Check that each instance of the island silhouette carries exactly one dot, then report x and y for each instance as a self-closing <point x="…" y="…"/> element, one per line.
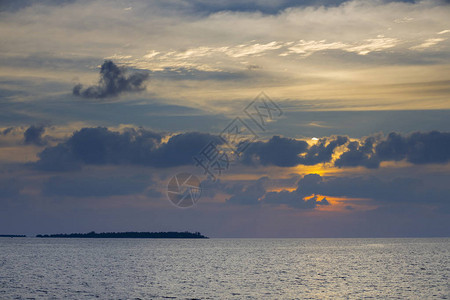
<point x="128" y="235"/>
<point x="12" y="235"/>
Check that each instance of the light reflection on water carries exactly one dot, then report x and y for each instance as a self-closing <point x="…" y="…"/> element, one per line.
<point x="224" y="268"/>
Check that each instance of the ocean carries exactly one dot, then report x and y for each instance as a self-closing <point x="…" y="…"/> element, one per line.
<point x="404" y="268"/>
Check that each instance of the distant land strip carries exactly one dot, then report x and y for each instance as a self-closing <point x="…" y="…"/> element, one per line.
<point x="12" y="235"/>
<point x="128" y="235"/>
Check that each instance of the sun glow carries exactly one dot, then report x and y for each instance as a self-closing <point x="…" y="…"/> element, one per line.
<point x="343" y="204"/>
<point x="321" y="169"/>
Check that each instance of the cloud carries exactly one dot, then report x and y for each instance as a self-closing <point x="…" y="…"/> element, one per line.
<point x="33" y="135"/>
<point x="294" y="199"/>
<point x="306" y="48"/>
<point x="6" y="131"/>
<point x="248" y="194"/>
<point x="373" y="45"/>
<point x="204" y="58"/>
<point x="288" y="152"/>
<point x="322" y="151"/>
<point x="255" y="193"/>
<point x="428" y="43"/>
<point x="253" y="49"/>
<point x="101" y="146"/>
<point x="278" y="151"/>
<point x="113" y="82"/>
<point x="395" y="190"/>
<point x="181" y="148"/>
<point x="417" y="148"/>
<point x="203" y="7"/>
<point x="94" y="186"/>
<point x="197" y="36"/>
<point x="359" y="154"/>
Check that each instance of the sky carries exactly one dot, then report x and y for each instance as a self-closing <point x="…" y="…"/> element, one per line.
<point x="326" y="118"/>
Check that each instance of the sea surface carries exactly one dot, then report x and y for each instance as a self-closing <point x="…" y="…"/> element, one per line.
<point x="224" y="268"/>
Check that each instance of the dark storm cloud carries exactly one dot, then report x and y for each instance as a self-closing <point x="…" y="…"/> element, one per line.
<point x="278" y="151"/>
<point x="212" y="188"/>
<point x="359" y="155"/>
<point x="90" y="186"/>
<point x="342" y="186"/>
<point x="287" y="152"/>
<point x="58" y="158"/>
<point x="322" y="151"/>
<point x="312" y="191"/>
<point x="255" y="193"/>
<point x="6" y="131"/>
<point x="33" y="135"/>
<point x="294" y="199"/>
<point x="248" y="194"/>
<point x="416" y="148"/>
<point x="181" y="148"/>
<point x="101" y="146"/>
<point x="113" y="81"/>
<point x="396" y="190"/>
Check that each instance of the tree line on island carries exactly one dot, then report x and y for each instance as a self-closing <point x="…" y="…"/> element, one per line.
<point x="129" y="235"/>
<point x="12" y="235"/>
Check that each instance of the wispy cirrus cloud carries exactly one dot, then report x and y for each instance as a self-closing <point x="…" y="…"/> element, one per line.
<point x="306" y="48"/>
<point x="428" y="43"/>
<point x="197" y="57"/>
